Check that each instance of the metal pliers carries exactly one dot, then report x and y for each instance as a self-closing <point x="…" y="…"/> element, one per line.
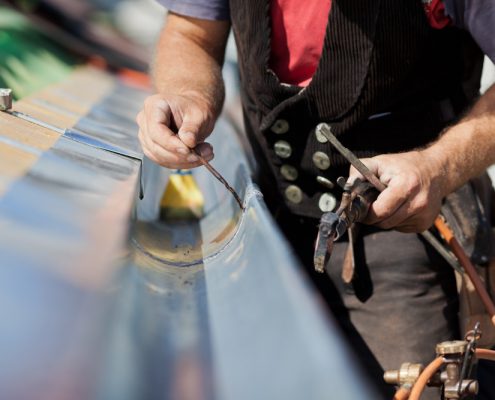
<point x="354" y="206"/>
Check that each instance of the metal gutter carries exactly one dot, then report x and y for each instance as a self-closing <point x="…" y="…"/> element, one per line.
<point x="100" y="300"/>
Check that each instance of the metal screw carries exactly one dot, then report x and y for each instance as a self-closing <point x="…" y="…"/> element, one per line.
<point x="5" y="99"/>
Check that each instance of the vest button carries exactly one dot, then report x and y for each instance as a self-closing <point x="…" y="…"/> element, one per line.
<point x="325" y="182"/>
<point x="327" y="202"/>
<point x="321" y="160"/>
<point x="280" y="126"/>
<point x="282" y="149"/>
<point x="319" y="135"/>
<point x="289" y="172"/>
<point x="294" y="194"/>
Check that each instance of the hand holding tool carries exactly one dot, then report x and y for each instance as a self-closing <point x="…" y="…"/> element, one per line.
<point x="331" y="232"/>
<point x="354" y="206"/>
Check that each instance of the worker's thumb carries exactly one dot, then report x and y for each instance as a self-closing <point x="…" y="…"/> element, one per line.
<point x="191" y="132"/>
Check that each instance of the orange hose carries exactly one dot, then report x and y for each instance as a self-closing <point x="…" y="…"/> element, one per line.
<point x="485" y="354"/>
<point x="402" y="394"/>
<point x="425" y="376"/>
<point x="429" y="371"/>
<point x="468" y="266"/>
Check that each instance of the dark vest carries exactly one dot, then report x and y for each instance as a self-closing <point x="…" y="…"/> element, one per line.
<point x="386" y="82"/>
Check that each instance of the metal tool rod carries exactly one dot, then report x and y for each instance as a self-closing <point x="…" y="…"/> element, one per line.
<point x="325" y="130"/>
<point x="220" y="178"/>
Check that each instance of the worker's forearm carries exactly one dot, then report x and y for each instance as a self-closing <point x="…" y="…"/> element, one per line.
<point x="417" y="181"/>
<point x="190" y="92"/>
<point x="466" y="149"/>
<point x="189" y="60"/>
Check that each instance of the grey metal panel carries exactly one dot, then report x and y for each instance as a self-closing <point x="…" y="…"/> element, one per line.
<point x="99" y="303"/>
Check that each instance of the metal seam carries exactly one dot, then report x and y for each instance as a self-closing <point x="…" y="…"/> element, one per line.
<point x="78" y="137"/>
<point x="251" y="192"/>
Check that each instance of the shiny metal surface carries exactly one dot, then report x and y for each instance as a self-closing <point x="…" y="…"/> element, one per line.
<point x="289" y="172"/>
<point x="101" y="300"/>
<point x="321" y="160"/>
<point x="327" y="202"/>
<point x="320" y="137"/>
<point x="294" y="194"/>
<point x="5" y="99"/>
<point x="282" y="149"/>
<point x="325" y="182"/>
<point x="280" y="126"/>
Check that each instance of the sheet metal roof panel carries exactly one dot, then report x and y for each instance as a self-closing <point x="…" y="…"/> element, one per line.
<point x="237" y="320"/>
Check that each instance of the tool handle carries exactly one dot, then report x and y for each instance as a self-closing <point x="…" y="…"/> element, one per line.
<point x="468" y="266"/>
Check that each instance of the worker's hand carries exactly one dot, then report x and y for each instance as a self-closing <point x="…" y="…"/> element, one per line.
<point x="415" y="189"/>
<point x="170" y="126"/>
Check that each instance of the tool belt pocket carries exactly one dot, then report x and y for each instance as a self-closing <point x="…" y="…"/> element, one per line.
<point x="470" y="212"/>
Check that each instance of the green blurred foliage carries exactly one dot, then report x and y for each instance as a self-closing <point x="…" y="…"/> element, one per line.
<point x="28" y="59"/>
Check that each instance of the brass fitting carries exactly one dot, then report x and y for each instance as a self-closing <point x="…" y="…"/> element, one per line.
<point x="451" y="348"/>
<point x="405" y="376"/>
<point x="453" y="387"/>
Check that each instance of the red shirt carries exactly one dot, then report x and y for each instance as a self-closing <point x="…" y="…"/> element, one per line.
<point x="298" y="32"/>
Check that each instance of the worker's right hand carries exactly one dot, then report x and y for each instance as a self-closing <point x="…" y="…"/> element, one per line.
<point x="170" y="126"/>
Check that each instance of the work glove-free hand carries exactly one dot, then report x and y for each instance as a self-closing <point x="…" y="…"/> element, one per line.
<point x="171" y="125"/>
<point x="414" y="193"/>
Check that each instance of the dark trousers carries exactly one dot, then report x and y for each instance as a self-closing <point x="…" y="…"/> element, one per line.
<point x="401" y="304"/>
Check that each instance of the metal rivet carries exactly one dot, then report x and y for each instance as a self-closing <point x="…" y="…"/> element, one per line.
<point x="321" y="160"/>
<point x="327" y="202"/>
<point x="283" y="149"/>
<point x="325" y="182"/>
<point x="5" y="99"/>
<point x="319" y="134"/>
<point x="289" y="172"/>
<point x="294" y="194"/>
<point x="280" y="126"/>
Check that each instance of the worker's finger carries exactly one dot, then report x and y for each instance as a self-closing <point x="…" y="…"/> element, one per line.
<point x="165" y="138"/>
<point x="195" y="127"/>
<point x="157" y="109"/>
<point x="172" y="160"/>
<point x="157" y="125"/>
<point x="387" y="203"/>
<point x="206" y="150"/>
<point x="396" y="218"/>
<point x="410" y="218"/>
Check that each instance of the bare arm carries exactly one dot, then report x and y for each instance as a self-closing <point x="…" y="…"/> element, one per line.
<point x="190" y="91"/>
<point x="418" y="180"/>
<point x="468" y="148"/>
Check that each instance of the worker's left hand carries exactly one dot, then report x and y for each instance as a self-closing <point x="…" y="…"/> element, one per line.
<point x="415" y="189"/>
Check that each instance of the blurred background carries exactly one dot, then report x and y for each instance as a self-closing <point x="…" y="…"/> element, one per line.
<point x="41" y="41"/>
